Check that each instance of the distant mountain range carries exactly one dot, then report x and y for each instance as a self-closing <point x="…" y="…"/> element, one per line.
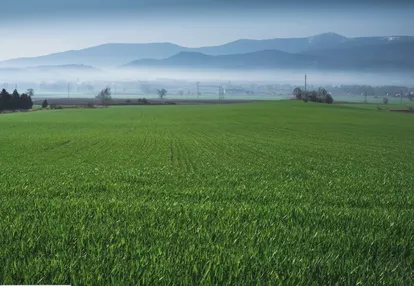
<point x="391" y="57"/>
<point x="324" y="51"/>
<point x="108" y="55"/>
<point x="264" y="59"/>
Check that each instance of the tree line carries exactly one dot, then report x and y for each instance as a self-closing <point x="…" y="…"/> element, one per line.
<point x="321" y="95"/>
<point x="15" y="101"/>
<point x="387" y="90"/>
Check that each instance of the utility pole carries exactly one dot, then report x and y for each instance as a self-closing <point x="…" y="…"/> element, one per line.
<point x="401" y="95"/>
<point x="306" y="81"/>
<point x="68" y="89"/>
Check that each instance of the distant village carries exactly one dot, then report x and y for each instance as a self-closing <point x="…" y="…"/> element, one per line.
<point x="189" y="88"/>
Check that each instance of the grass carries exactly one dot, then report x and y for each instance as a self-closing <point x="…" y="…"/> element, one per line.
<point x="266" y="193"/>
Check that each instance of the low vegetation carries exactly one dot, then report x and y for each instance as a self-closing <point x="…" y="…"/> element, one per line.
<point x="265" y="193"/>
<point x="143" y="101"/>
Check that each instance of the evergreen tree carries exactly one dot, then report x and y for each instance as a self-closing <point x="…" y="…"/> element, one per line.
<point x="15" y="100"/>
<point x="24" y="101"/>
<point x="5" y="99"/>
<point x="30" y="102"/>
<point x="45" y="104"/>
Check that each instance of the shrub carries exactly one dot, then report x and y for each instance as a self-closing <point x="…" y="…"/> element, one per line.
<point x="385" y="100"/>
<point x="329" y="99"/>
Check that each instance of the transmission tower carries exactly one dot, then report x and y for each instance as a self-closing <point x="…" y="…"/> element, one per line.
<point x="221" y="92"/>
<point x="198" y="88"/>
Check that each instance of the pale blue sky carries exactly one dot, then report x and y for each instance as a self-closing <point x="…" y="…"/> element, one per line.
<point x="31" y="28"/>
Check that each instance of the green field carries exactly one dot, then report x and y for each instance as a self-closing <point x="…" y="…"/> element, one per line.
<point x="266" y="193"/>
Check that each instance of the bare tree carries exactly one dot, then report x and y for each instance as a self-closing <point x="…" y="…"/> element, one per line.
<point x="104" y="95"/>
<point x="30" y="92"/>
<point x="162" y="93"/>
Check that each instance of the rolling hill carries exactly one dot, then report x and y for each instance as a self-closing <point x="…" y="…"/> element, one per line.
<point x="107" y="55"/>
<point x="396" y="56"/>
<point x="111" y="55"/>
<point x="263" y="59"/>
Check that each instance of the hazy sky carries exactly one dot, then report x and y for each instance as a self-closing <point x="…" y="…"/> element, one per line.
<point x="38" y="27"/>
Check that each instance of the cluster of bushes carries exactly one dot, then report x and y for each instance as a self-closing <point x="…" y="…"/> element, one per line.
<point x="15" y="101"/>
<point x="55" y="106"/>
<point x="142" y="101"/>
<point x="139" y="101"/>
<point x="321" y="95"/>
